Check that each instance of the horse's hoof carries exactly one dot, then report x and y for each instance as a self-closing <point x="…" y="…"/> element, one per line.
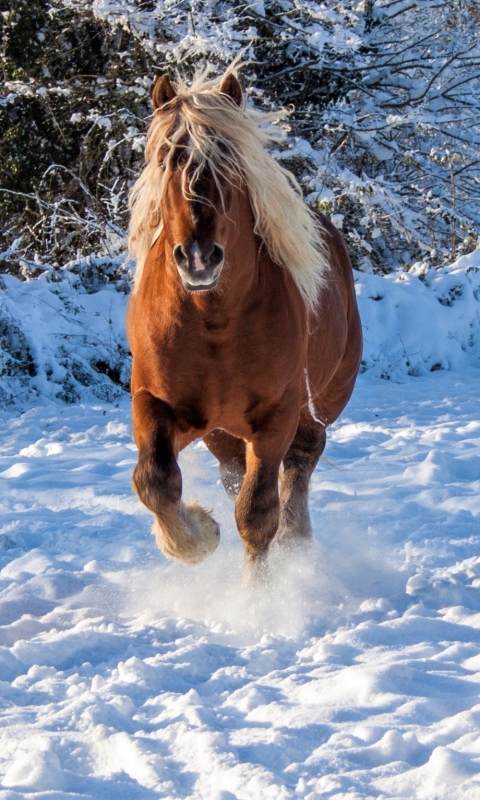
<point x="204" y="530"/>
<point x="186" y="533"/>
<point x="294" y="541"/>
<point x="256" y="573"/>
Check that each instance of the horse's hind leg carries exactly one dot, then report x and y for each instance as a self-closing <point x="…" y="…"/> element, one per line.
<point x="185" y="533"/>
<point x="300" y="461"/>
<point x="230" y="453"/>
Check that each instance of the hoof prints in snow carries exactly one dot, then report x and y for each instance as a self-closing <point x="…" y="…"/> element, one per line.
<point x="353" y="677"/>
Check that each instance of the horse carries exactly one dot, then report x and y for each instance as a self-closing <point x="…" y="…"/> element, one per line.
<point x="243" y="323"/>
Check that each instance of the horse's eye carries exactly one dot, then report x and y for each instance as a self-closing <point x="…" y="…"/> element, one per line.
<point x="162" y="166"/>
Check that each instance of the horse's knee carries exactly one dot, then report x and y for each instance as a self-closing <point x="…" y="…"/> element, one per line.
<point x="157" y="480"/>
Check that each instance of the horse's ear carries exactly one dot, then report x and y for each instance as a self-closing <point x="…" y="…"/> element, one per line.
<point x="231" y="87"/>
<point x="163" y="92"/>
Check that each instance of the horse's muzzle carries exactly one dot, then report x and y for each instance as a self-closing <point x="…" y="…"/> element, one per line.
<point x="199" y="268"/>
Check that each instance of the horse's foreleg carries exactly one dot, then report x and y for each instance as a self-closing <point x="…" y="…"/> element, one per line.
<point x="257" y="511"/>
<point x="298" y="465"/>
<point x="230" y="453"/>
<point x="183" y="532"/>
<point x="257" y="508"/>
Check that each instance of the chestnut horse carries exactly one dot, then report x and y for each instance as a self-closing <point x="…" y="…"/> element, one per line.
<point x="243" y="322"/>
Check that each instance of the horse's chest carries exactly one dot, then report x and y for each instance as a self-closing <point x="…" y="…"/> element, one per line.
<point x="211" y="372"/>
<point x="219" y="375"/>
<point x="213" y="383"/>
<point x="227" y="363"/>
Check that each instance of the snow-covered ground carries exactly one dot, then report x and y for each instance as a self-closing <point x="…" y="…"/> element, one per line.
<point x="356" y="675"/>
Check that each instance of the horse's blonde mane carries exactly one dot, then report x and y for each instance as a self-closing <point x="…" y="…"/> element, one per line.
<point x="233" y="142"/>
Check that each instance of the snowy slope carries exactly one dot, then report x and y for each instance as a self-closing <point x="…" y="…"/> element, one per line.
<point x="356" y="677"/>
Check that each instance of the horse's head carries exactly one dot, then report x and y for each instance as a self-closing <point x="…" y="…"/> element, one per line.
<point x="210" y="183"/>
<point x="197" y="201"/>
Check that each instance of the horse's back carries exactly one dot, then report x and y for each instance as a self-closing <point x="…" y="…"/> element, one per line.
<point x="335" y="341"/>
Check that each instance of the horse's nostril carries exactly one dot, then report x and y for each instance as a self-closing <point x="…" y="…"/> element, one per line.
<point x="216" y="256"/>
<point x="179" y="255"/>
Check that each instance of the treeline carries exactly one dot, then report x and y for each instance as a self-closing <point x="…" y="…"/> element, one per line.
<point x="384" y="136"/>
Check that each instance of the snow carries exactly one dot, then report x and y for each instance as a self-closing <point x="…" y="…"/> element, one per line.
<point x="63" y="334"/>
<point x="421" y="320"/>
<point x="354" y="675"/>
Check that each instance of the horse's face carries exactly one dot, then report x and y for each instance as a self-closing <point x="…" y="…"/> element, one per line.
<point x="195" y="229"/>
<point x="196" y="222"/>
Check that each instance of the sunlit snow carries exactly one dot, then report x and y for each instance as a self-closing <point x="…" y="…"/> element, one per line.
<point x="355" y="675"/>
